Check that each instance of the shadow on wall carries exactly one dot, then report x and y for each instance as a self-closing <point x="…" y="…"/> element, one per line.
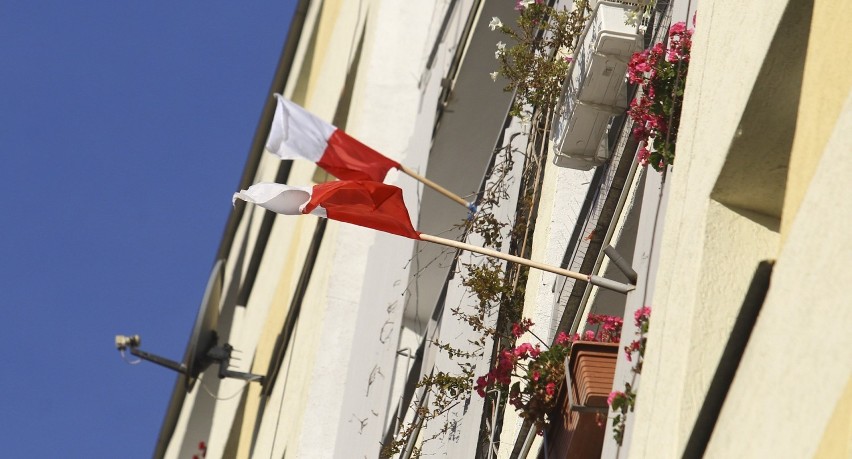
<point x="744" y="217"/>
<point x="754" y="176"/>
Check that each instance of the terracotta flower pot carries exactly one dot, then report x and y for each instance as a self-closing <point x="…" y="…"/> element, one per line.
<point x="579" y="425"/>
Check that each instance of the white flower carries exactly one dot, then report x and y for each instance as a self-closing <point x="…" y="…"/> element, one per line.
<point x="494" y="75"/>
<point x="501" y="48"/>
<point x="495" y="23"/>
<point x="527" y="3"/>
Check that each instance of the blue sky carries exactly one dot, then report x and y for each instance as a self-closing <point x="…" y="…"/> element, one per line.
<point x="124" y="128"/>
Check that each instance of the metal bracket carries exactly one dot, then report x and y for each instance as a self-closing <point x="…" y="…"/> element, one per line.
<point x="217" y="354"/>
<point x="610" y="284"/>
<point x="621" y="263"/>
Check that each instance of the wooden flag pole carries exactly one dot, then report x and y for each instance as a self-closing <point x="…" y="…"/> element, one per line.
<point x="435" y="186"/>
<point x="503" y="256"/>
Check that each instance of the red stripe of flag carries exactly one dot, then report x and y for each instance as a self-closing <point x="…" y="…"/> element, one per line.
<point x="348" y="159"/>
<point x="364" y="203"/>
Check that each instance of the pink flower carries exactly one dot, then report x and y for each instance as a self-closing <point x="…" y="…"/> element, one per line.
<point x="643" y="155"/>
<point x="550" y="388"/>
<point x="562" y="338"/>
<point x="656" y="51"/>
<point x="642" y="314"/>
<point x="481" y="384"/>
<point x="638" y="66"/>
<point x="536" y="375"/>
<point x="679" y="46"/>
<point x="522" y="350"/>
<point x="503" y="370"/>
<point x="610" y="328"/>
<point x="642" y="66"/>
<point x="534" y="352"/>
<point x="677" y="28"/>
<point x="613" y="395"/>
<point x="655" y="122"/>
<point x="630" y="349"/>
<point x="672" y="55"/>
<point x="521" y="327"/>
<point x="611" y="324"/>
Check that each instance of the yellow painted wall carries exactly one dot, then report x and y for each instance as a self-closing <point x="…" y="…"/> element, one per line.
<point x="793" y="379"/>
<point x="827" y="79"/>
<point x="837" y="440"/>
<point x="319" y="72"/>
<point x="795" y="370"/>
<point x="693" y="305"/>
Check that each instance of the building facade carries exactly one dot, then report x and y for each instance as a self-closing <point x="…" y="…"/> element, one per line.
<point x="738" y="248"/>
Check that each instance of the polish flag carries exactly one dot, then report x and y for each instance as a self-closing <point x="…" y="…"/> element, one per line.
<point x="298" y="134"/>
<point x="363" y="203"/>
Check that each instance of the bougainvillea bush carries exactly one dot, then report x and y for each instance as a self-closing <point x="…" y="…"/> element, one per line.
<point x="532" y="376"/>
<point x="660" y="73"/>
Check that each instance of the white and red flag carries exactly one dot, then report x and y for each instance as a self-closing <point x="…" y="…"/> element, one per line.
<point x="364" y="203"/>
<point x="299" y="134"/>
<point x="381" y="207"/>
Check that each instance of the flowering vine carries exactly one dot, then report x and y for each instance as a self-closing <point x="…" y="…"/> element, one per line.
<point x="660" y="73"/>
<point x="539" y="374"/>
<point x="531" y="59"/>
<point x="531" y="65"/>
<point x="493" y="290"/>
<point x="641" y="319"/>
<point x="622" y="402"/>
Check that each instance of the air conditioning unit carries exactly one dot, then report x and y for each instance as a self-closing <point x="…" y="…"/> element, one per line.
<point x="595" y="89"/>
<point x="578" y="135"/>
<point x="584" y="162"/>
